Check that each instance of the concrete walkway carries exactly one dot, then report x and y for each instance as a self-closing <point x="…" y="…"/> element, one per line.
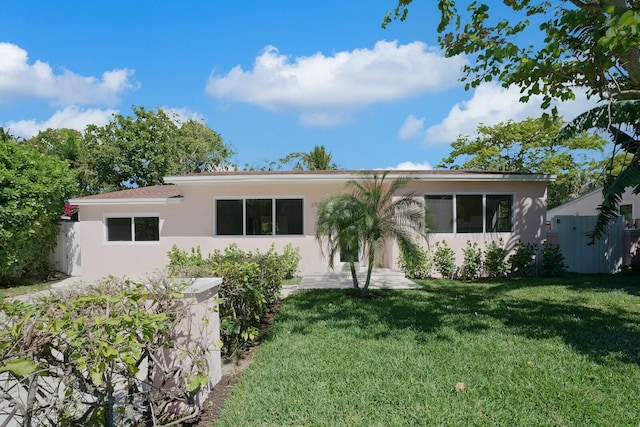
<point x="380" y="279"/>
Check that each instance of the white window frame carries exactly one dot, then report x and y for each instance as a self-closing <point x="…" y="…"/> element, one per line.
<point x="133" y="241"/>
<point x="484" y="209"/>
<point x="244" y="216"/>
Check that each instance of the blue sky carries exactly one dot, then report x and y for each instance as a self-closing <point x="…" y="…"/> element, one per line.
<point x="271" y="77"/>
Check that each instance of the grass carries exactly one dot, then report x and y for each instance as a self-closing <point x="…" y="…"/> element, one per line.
<point x="21" y="287"/>
<point x="543" y="352"/>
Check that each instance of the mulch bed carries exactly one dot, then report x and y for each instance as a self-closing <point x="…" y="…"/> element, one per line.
<point x="218" y="395"/>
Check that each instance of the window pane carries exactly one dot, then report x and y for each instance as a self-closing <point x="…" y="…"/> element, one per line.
<point x="147" y="229"/>
<point x="439" y="213"/>
<point x="469" y="214"/>
<point x="229" y="217"/>
<point x="259" y="217"/>
<point x="289" y="216"/>
<point x="499" y="213"/>
<point x="119" y="229"/>
<point x="627" y="212"/>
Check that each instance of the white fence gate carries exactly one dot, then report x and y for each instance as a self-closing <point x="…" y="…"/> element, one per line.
<point x="66" y="256"/>
<point x="605" y="256"/>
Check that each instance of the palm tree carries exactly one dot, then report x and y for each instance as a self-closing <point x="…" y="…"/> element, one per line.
<point x="318" y="159"/>
<point x="361" y="221"/>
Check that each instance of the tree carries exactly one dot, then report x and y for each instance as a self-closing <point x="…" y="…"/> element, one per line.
<point x="532" y="146"/>
<point x="33" y="191"/>
<point x="361" y="221"/>
<point x="200" y="149"/>
<point x="317" y="159"/>
<point x="67" y="145"/>
<point x="139" y="150"/>
<point x="590" y="45"/>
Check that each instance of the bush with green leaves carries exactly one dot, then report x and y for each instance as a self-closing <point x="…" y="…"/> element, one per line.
<point x="552" y="260"/>
<point x="496" y="263"/>
<point x="523" y="259"/>
<point x="444" y="260"/>
<point x="103" y="355"/>
<point x="33" y="191"/>
<point x="416" y="264"/>
<point x="252" y="281"/>
<point x="290" y="261"/>
<point x="472" y="262"/>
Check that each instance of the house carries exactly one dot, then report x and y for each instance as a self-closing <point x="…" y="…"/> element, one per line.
<point x="129" y="232"/>
<point x="587" y="205"/>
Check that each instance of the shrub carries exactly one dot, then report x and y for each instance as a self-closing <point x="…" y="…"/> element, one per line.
<point x="472" y="262"/>
<point x="552" y="260"/>
<point x="290" y="261"/>
<point x="523" y="259"/>
<point x="416" y="264"/>
<point x="444" y="260"/>
<point x="33" y="190"/>
<point x="252" y="281"/>
<point x="99" y="356"/>
<point x="495" y="259"/>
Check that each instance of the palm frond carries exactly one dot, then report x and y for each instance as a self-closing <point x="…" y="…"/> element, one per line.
<point x="612" y="193"/>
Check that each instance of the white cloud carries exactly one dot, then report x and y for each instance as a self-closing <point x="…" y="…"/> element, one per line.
<point x="184" y="114"/>
<point x="18" y="78"/>
<point x="492" y="104"/>
<point x="349" y="79"/>
<point x="411" y="128"/>
<point x="412" y="166"/>
<point x="70" y="117"/>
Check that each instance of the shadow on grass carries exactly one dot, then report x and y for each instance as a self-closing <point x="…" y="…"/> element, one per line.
<point x="605" y="335"/>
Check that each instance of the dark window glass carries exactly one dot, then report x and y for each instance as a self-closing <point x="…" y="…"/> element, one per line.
<point x="229" y="217"/>
<point x="439" y="214"/>
<point x="119" y="230"/>
<point x="626" y="211"/>
<point x="289" y="216"/>
<point x="259" y="217"/>
<point x="499" y="213"/>
<point x="147" y="229"/>
<point x="469" y="213"/>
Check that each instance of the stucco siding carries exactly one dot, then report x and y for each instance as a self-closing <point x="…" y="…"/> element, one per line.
<point x="191" y="222"/>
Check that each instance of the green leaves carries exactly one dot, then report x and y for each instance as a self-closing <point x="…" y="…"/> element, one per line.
<point x="532" y="146"/>
<point x="33" y="190"/>
<point x="19" y="367"/>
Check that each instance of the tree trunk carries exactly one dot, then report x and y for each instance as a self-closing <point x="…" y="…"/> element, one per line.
<point x="354" y="276"/>
<point x="365" y="289"/>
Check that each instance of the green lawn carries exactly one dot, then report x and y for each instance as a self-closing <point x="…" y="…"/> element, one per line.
<point x="531" y="352"/>
<point x="21" y="287"/>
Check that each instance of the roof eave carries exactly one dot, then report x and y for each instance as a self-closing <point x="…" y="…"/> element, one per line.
<point x="127" y="201"/>
<point x="322" y="178"/>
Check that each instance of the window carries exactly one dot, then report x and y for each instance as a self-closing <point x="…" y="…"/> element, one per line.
<point x="439" y="214"/>
<point x="469" y="213"/>
<point x="259" y="217"/>
<point x="229" y="217"/>
<point x="499" y="213"/>
<point x="138" y="229"/>
<point x="288" y="216"/>
<point x="626" y="211"/>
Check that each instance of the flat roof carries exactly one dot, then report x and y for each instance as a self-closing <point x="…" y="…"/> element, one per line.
<point x="170" y="193"/>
